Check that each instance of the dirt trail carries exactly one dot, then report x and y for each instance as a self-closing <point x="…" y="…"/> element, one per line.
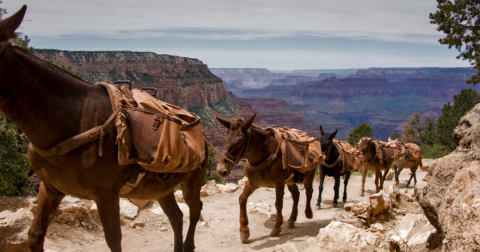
<point x="221" y="213"/>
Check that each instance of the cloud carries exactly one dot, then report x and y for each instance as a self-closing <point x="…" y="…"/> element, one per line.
<point x="399" y="20"/>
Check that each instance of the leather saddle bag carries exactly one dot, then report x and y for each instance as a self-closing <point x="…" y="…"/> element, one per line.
<point x="158" y="140"/>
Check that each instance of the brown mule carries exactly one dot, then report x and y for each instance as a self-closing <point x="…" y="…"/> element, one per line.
<point x="50" y="105"/>
<point x="408" y="161"/>
<point x="371" y="162"/>
<point x="258" y="147"/>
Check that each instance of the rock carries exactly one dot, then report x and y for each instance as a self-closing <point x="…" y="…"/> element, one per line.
<point x="348" y="218"/>
<point x="140" y="203"/>
<point x="377" y="227"/>
<point x="287" y="247"/>
<point x="137" y="224"/>
<point x="449" y="194"/>
<point x="380" y="202"/>
<point x="262" y="208"/>
<point x="204" y="224"/>
<point x="348" y="207"/>
<point x="390" y="175"/>
<point x="414" y="230"/>
<point x="363" y="208"/>
<point x="14" y="228"/>
<point x="242" y="181"/>
<point x="210" y="188"/>
<point x="128" y="209"/>
<point x="229" y="187"/>
<point x="94" y="210"/>
<point x="179" y="196"/>
<point x="338" y="236"/>
<point x="71" y="204"/>
<point x="393" y="193"/>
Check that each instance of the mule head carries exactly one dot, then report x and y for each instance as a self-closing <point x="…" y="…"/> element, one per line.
<point x="9" y="25"/>
<point x="235" y="143"/>
<point x="364" y="143"/>
<point x="326" y="139"/>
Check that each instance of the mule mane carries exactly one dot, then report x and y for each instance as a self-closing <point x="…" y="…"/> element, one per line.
<point x="28" y="54"/>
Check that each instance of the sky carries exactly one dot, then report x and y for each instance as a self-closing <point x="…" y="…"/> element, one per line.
<point x="273" y="34"/>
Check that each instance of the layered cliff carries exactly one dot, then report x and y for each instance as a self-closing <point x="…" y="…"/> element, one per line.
<point x="181" y="81"/>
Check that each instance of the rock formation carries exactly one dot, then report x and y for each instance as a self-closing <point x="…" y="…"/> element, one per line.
<point x="449" y="194"/>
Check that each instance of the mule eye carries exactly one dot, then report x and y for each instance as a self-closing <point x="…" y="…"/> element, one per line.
<point x="238" y="143"/>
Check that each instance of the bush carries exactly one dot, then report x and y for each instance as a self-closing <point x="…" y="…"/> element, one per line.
<point x="14" y="166"/>
<point x="211" y="172"/>
<point x="370" y="173"/>
<point x="435" y="151"/>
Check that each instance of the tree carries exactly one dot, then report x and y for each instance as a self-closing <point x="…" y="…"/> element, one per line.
<point x="211" y="174"/>
<point x="460" y="21"/>
<point x="23" y="43"/>
<point x="362" y="130"/>
<point x="447" y="122"/>
<point x="395" y="135"/>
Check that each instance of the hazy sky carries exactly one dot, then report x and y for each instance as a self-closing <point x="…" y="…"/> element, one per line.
<point x="274" y="34"/>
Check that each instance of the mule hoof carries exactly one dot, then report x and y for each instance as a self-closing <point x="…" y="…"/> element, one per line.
<point x="188" y="248"/>
<point x="396" y="182"/>
<point x="244" y="236"/>
<point x="308" y="213"/>
<point x="275" y="232"/>
<point x="361" y="193"/>
<point x="334" y="205"/>
<point x="290" y="224"/>
<point x="408" y="185"/>
<point x="344" y="200"/>
<point x="317" y="207"/>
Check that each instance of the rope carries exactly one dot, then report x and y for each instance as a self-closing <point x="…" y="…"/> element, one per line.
<point x="211" y="145"/>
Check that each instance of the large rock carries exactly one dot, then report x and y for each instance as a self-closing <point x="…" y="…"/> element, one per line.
<point x="413" y="231"/>
<point x="449" y="194"/>
<point x="13" y="230"/>
<point x="128" y="209"/>
<point x="242" y="181"/>
<point x="210" y="188"/>
<point x="229" y="187"/>
<point x="339" y="236"/>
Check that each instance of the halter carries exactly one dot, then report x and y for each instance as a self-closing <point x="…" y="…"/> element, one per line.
<point x="233" y="158"/>
<point x="327" y="154"/>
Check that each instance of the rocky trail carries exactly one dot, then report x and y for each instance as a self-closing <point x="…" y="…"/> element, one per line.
<point x="77" y="227"/>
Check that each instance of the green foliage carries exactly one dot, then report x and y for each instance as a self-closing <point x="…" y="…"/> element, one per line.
<point x="23" y="43"/>
<point x="428" y="137"/>
<point x="2" y="11"/>
<point x="211" y="172"/>
<point x="14" y="166"/>
<point x="68" y="68"/>
<point x="395" y="135"/>
<point x="370" y="173"/>
<point x="434" y="151"/>
<point x="459" y="20"/>
<point x="362" y="130"/>
<point x="447" y="122"/>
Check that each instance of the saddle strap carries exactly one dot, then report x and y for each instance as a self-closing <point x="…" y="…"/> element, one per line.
<point x="137" y="176"/>
<point x="270" y="159"/>
<point x="79" y="140"/>
<point x="340" y="158"/>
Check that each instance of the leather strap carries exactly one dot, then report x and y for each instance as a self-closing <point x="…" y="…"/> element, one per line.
<point x="79" y="140"/>
<point x="137" y="175"/>
<point x="268" y="160"/>
<point x="340" y="156"/>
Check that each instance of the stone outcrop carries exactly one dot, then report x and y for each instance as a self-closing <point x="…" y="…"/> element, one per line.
<point x="184" y="82"/>
<point x="449" y="194"/>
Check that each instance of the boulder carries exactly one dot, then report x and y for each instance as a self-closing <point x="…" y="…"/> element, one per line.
<point x="449" y="194"/>
<point x="128" y="209"/>
<point x="363" y="208"/>
<point x="210" y="188"/>
<point x="242" y="181"/>
<point x="339" y="236"/>
<point x="380" y="202"/>
<point x="413" y="231"/>
<point x="179" y="196"/>
<point x="262" y="208"/>
<point x="14" y="228"/>
<point x="393" y="193"/>
<point x="228" y="188"/>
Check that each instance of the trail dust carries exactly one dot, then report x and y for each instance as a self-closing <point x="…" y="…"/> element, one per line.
<point x="219" y="229"/>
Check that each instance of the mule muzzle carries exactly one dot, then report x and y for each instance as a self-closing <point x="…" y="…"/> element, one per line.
<point x="223" y="169"/>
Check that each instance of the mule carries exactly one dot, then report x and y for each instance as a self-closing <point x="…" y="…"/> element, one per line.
<point x="50" y="105"/>
<point x="247" y="141"/>
<point x="331" y="167"/>
<point x="371" y="162"/>
<point x="405" y="162"/>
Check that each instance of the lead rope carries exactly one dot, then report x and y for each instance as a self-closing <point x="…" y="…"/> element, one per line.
<point x="211" y="145"/>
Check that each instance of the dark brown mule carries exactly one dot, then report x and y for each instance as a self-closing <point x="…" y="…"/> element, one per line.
<point x="331" y="167"/>
<point x="257" y="146"/>
<point x="367" y="147"/>
<point x="51" y="105"/>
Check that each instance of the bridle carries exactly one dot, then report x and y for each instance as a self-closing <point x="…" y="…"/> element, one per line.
<point x="236" y="158"/>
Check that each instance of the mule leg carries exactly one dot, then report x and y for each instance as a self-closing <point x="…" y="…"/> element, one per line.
<point x="397" y="170"/>
<point x="413" y="175"/>
<point x="109" y="211"/>
<point x="384" y="177"/>
<point x="320" y="190"/>
<point x="364" y="176"/>
<point x="244" y="230"/>
<point x="336" y="189"/>
<point x="295" y="196"/>
<point x="191" y="194"/>
<point x="345" y="183"/>
<point x="308" y="182"/>
<point x="48" y="201"/>
<point x="378" y="178"/>
<point x="175" y="216"/>
<point x="277" y="228"/>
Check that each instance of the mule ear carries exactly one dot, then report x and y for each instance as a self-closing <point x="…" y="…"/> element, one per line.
<point x="249" y="122"/>
<point x="9" y="25"/>
<point x="225" y="123"/>
<point x="332" y="135"/>
<point x="321" y="131"/>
